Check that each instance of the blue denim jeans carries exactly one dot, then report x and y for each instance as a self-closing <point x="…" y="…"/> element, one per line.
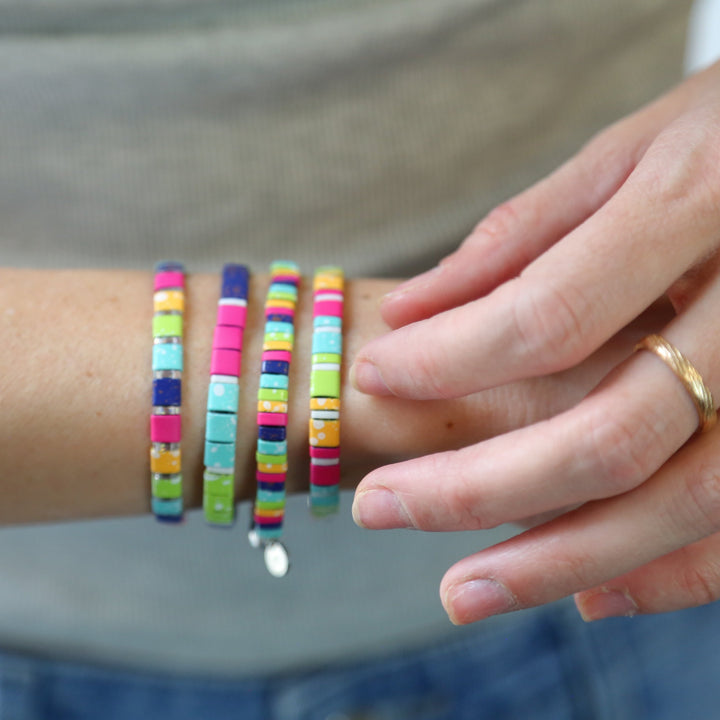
<point x="542" y="665"/>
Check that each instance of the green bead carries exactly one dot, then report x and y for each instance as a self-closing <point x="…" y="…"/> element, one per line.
<point x="167" y="488"/>
<point x="282" y="295"/>
<point x="326" y="358"/>
<point x="323" y="511"/>
<point x="273" y="394"/>
<point x="278" y="337"/>
<point x="325" y="383"/>
<point x="266" y="459"/>
<point x="218" y="510"/>
<point x="167" y="325"/>
<point x="218" y="485"/>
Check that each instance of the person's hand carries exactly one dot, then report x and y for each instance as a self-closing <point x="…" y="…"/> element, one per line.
<point x="541" y="284"/>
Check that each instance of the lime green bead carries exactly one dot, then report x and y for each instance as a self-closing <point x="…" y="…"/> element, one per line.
<point x="326" y="358"/>
<point x="218" y="485"/>
<point x="167" y="325"/>
<point x="273" y="394"/>
<point x="266" y="459"/>
<point x="218" y="510"/>
<point x="167" y="488"/>
<point x="267" y="505"/>
<point x="325" y="383"/>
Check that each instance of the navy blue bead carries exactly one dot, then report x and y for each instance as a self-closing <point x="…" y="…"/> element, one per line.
<point x="278" y="317"/>
<point x="276" y="367"/>
<point x="271" y="433"/>
<point x="167" y="391"/>
<point x="271" y="487"/>
<point x="235" y="279"/>
<point x="169" y="266"/>
<point x="169" y="518"/>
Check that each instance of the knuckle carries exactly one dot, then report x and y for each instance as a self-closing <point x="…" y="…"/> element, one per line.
<point x="623" y="449"/>
<point x="701" y="584"/>
<point x="498" y="225"/>
<point x="550" y="325"/>
<point x="429" y="376"/>
<point x="703" y="496"/>
<point x="465" y="505"/>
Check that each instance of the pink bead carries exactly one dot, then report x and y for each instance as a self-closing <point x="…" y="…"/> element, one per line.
<point x="324" y="452"/>
<point x="165" y="428"/>
<point x="283" y="355"/>
<point x="232" y="315"/>
<point x="325" y="474"/>
<point x="225" y="362"/>
<point x="328" y="307"/>
<point x="289" y="279"/>
<point x="228" y="337"/>
<point x="165" y="280"/>
<point x="270" y="310"/>
<point x="274" y="419"/>
<point x="270" y="477"/>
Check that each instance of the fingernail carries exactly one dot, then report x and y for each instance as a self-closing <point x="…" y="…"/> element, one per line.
<point x="605" y="602"/>
<point x="380" y="509"/>
<point x="414" y="283"/>
<point x="477" y="599"/>
<point x="365" y="377"/>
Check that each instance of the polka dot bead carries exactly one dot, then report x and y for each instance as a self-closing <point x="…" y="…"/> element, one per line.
<point x="223" y="397"/>
<point x="167" y="367"/>
<point x="324" y="424"/>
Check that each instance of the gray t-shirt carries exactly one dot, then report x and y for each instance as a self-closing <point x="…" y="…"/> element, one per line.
<point x="373" y="133"/>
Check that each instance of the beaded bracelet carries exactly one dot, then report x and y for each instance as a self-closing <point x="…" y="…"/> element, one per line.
<point x="223" y="397"/>
<point x="324" y="430"/>
<point x="167" y="367"/>
<point x="271" y="456"/>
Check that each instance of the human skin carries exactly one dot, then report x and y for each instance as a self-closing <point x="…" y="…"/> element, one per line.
<point x="75" y="389"/>
<point x="542" y="283"/>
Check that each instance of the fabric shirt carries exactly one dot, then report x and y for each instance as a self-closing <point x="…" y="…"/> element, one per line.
<point x="370" y="133"/>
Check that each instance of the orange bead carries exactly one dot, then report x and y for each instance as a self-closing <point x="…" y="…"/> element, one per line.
<point x="324" y="433"/>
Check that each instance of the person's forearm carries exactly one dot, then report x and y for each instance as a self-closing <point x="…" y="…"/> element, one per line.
<point x="75" y="394"/>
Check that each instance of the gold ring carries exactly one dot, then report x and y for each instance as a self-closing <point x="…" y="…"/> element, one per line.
<point x="688" y="376"/>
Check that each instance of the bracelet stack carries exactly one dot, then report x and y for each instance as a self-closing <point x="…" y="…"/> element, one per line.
<point x="167" y="367"/>
<point x="221" y="425"/>
<point x="223" y="398"/>
<point x="324" y="429"/>
<point x="272" y="415"/>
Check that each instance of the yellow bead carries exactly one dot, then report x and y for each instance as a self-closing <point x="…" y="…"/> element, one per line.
<point x="325" y="433"/>
<point x="328" y="282"/>
<point x="272" y="469"/>
<point x="166" y="462"/>
<point x="277" y="345"/>
<point x="320" y="403"/>
<point x="272" y="406"/>
<point x="280" y="304"/>
<point x="169" y="300"/>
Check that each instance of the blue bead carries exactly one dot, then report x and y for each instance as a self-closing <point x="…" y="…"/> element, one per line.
<point x="271" y="524"/>
<point x="167" y="356"/>
<point x="271" y="433"/>
<point x="169" y="266"/>
<point x="235" y="279"/>
<point x="271" y="487"/>
<point x="268" y="380"/>
<point x="324" y="491"/>
<point x="327" y="321"/>
<point x="279" y="317"/>
<point x="327" y="342"/>
<point x="272" y="448"/>
<point x="167" y="392"/>
<point x="223" y="397"/>
<point x="275" y="367"/>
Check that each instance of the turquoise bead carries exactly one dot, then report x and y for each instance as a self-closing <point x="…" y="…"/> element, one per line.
<point x="270" y="380"/>
<point x="219" y="455"/>
<point x="167" y="506"/>
<point x="270" y="495"/>
<point x="223" y="397"/>
<point x="221" y="427"/>
<point x="327" y="321"/>
<point x="327" y="342"/>
<point x="272" y="326"/>
<point x="167" y="356"/>
<point x="267" y="447"/>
